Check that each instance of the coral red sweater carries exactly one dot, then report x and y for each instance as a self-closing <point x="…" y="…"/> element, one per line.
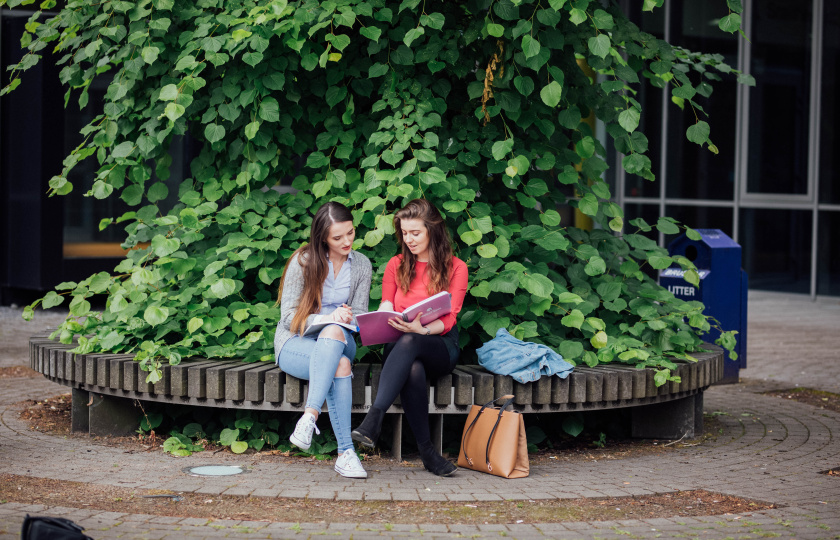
<point x="458" y="281"/>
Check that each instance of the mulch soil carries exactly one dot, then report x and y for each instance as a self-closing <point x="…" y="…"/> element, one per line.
<point x="815" y="398"/>
<point x="14" y="372"/>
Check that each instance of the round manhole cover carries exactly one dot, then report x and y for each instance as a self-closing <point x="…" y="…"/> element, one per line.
<point x="214" y="470"/>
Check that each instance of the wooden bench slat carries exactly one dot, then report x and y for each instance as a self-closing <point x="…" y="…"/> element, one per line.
<point x="179" y="376"/>
<point x="235" y="381"/>
<point x="294" y="390"/>
<point x="560" y="390"/>
<point x="523" y="393"/>
<point x="274" y="379"/>
<point x="215" y="378"/>
<point x="483" y="382"/>
<point x="117" y="370"/>
<point x="462" y="382"/>
<point x="255" y="382"/>
<point x="542" y="390"/>
<point x="443" y="391"/>
<point x="361" y="379"/>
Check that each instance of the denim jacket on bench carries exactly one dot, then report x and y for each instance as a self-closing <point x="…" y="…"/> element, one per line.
<point x="524" y="361"/>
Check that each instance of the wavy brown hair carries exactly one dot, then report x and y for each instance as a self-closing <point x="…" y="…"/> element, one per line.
<point x="313" y="258"/>
<point x="440" y="247"/>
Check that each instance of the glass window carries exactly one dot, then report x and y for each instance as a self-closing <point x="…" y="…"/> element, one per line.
<point x="701" y="217"/>
<point x="828" y="254"/>
<point x="82" y="214"/>
<point x="778" y="114"/>
<point x="829" y="170"/>
<point x="650" y="98"/>
<point x="777" y="248"/>
<point x="693" y="171"/>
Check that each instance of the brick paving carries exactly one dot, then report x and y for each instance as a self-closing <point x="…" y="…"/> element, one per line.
<point x="768" y="449"/>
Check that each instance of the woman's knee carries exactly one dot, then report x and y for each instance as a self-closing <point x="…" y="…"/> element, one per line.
<point x="333" y="331"/>
<point x="345" y="368"/>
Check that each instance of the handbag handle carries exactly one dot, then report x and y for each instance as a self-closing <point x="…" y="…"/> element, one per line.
<point x="509" y="398"/>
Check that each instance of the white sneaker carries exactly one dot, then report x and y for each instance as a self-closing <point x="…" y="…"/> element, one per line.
<point x="302" y="437"/>
<point x="348" y="465"/>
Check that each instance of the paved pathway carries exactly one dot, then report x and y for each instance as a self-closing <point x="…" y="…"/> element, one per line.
<point x="769" y="449"/>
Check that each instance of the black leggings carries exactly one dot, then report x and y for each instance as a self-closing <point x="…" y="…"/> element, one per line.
<point x="408" y="363"/>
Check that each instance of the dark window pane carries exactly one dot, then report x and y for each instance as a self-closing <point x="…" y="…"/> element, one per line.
<point x="829" y="170"/>
<point x="700" y="217"/>
<point x="778" y="125"/>
<point x="651" y="125"/>
<point x="693" y="171"/>
<point x="777" y="249"/>
<point x="828" y="254"/>
<point x="650" y="98"/>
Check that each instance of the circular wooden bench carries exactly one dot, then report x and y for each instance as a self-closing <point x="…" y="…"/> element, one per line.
<point x="105" y="385"/>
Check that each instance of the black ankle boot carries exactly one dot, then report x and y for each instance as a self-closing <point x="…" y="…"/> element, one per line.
<point x="368" y="431"/>
<point x="434" y="462"/>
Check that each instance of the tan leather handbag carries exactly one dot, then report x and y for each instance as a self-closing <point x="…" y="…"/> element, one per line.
<point x="494" y="441"/>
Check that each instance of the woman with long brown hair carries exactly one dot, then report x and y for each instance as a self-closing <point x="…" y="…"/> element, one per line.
<point x="325" y="281"/>
<point x="424" y="267"/>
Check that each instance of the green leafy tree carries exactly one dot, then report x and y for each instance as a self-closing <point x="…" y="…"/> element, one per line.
<point x="479" y="106"/>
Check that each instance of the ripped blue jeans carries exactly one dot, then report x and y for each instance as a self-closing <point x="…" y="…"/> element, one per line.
<point x="316" y="360"/>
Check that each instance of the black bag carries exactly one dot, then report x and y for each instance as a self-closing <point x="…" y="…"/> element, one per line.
<point x="51" y="528"/>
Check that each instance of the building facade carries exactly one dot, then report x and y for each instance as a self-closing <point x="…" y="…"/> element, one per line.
<point x="774" y="187"/>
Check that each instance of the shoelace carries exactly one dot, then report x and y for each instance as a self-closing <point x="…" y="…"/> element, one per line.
<point x="314" y="426"/>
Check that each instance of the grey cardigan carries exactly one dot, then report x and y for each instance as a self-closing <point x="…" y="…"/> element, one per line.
<point x="360" y="273"/>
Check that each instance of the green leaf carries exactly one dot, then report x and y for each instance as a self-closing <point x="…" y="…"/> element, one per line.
<point x="731" y="23"/>
<point x="573" y="320"/>
<point x="228" y="436"/>
<point x="570" y="349"/>
<point x="588" y="205"/>
<point x="691" y="276"/>
<point x="412" y="35"/>
<point x="487" y="251"/>
<point x="252" y="129"/>
<point x="660" y="262"/>
<point x="599" y="340"/>
<point x="269" y="110"/>
<point x="573" y="424"/>
<point x="174" y="111"/>
<point x="698" y="133"/>
<point x="371" y="32"/>
<point x="595" y="267"/>
<point x="495" y="30"/>
<point x="530" y="46"/>
<point x="52" y="299"/>
<point x="194" y="324"/>
<point x="537" y="284"/>
<point x="629" y="119"/>
<point x="599" y="45"/>
<point x="693" y="235"/>
<point x="123" y="149"/>
<point x="155" y="315"/>
<point x="551" y="94"/>
<point x="471" y="237"/>
<point x="224" y="287"/>
<point x="502" y="148"/>
<point x="666" y="226"/>
<point x="214" y="132"/>
<point x="524" y="84"/>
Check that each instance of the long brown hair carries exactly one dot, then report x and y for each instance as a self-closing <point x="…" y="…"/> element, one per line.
<point x="313" y="258"/>
<point x="440" y="247"/>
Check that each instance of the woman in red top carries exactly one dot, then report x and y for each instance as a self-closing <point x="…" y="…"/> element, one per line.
<point x="425" y="267"/>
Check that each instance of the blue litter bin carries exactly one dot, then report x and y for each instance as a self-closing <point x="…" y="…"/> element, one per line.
<point x="723" y="287"/>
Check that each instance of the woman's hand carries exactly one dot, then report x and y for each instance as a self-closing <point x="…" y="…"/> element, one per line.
<point x="408" y="327"/>
<point x="343" y="314"/>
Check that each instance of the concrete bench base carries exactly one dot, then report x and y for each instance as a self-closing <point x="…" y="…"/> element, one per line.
<point x="106" y="386"/>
